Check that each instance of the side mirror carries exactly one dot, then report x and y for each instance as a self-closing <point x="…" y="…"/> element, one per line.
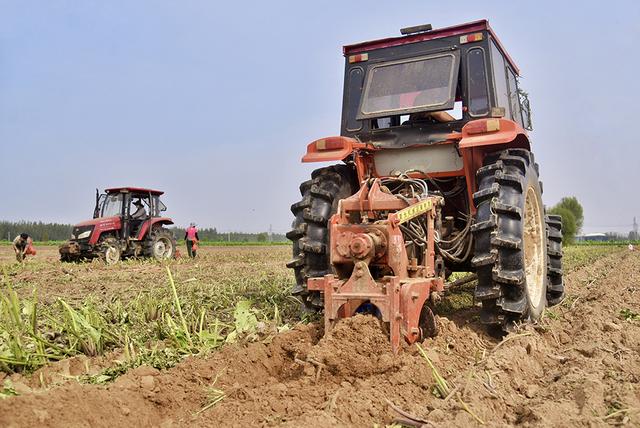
<point x="525" y="109"/>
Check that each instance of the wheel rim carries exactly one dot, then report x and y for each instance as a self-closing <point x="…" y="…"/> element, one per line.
<point x="533" y="248"/>
<point x="111" y="255"/>
<point x="162" y="248"/>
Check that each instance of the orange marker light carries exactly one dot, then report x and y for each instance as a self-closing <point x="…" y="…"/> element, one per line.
<point x="329" y="144"/>
<point x="468" y="38"/>
<point x="358" y="58"/>
<point x="482" y="126"/>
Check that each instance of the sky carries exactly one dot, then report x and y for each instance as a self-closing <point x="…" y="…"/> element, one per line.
<point x="215" y="102"/>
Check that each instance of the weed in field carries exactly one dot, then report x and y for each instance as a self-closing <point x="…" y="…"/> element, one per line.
<point x="629" y="315"/>
<point x="214" y="396"/>
<point x="577" y="256"/>
<point x="442" y="388"/>
<point x="191" y="309"/>
<point x="7" y="389"/>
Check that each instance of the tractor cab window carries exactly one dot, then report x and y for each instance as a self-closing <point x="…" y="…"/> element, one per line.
<point x="500" y="80"/>
<point x="158" y="207"/>
<point x="112" y="205"/>
<point x="139" y="207"/>
<point x="424" y="117"/>
<point x="477" y="85"/>
<point x="354" y="90"/>
<point x="410" y="86"/>
<point x="514" y="97"/>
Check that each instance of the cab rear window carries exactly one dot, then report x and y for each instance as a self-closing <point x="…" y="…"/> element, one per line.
<point x="418" y="84"/>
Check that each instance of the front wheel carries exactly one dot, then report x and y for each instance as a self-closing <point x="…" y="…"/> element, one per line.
<point x="510" y="237"/>
<point x="109" y="251"/>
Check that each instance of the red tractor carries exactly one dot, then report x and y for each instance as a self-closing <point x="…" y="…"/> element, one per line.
<point x="437" y="176"/>
<point x="126" y="222"/>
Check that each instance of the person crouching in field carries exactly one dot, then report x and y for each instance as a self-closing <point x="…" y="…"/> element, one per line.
<point x="191" y="238"/>
<point x="23" y="246"/>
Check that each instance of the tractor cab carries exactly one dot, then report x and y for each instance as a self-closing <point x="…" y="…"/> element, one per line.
<point x="134" y="206"/>
<point x="416" y="89"/>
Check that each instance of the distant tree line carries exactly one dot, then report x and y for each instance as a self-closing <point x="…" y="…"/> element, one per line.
<point x="38" y="230"/>
<point x="212" y="234"/>
<point x="44" y="232"/>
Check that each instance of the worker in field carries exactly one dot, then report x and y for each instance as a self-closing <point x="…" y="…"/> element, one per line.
<point x="23" y="246"/>
<point x="191" y="238"/>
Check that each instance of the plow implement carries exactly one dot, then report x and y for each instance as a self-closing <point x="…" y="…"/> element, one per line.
<point x="375" y="272"/>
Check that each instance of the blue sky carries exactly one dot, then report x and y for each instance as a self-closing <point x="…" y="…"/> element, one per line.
<point x="215" y="102"/>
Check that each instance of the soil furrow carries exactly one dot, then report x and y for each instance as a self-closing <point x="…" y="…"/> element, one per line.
<point x="579" y="366"/>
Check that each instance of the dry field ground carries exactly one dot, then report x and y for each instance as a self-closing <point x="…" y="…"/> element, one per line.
<point x="221" y="345"/>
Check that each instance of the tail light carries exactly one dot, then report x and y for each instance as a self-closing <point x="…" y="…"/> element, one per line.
<point x="468" y="38"/>
<point x="330" y="148"/>
<point x="329" y="144"/>
<point x="358" y="58"/>
<point x="482" y="126"/>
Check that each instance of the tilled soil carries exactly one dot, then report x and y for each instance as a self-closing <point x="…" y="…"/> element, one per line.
<point x="579" y="366"/>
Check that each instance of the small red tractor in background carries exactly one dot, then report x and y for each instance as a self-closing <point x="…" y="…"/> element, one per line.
<point x="437" y="176"/>
<point x="126" y="222"/>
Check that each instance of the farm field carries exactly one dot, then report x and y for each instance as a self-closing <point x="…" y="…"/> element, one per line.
<point x="220" y="343"/>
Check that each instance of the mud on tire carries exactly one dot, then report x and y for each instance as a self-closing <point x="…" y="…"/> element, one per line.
<point x="510" y="239"/>
<point x="555" y="284"/>
<point x="310" y="233"/>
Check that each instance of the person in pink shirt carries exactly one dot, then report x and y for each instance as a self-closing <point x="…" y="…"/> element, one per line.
<point x="191" y="238"/>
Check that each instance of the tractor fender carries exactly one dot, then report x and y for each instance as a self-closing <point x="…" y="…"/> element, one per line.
<point x="493" y="132"/>
<point x="152" y="222"/>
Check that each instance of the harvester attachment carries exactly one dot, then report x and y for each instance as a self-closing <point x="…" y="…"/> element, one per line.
<point x="382" y="249"/>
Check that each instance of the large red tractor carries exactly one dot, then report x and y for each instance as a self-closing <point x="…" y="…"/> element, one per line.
<point x="437" y="176"/>
<point x="127" y="222"/>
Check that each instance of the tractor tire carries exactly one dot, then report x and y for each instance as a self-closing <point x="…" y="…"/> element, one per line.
<point x="555" y="284"/>
<point x="310" y="233"/>
<point x="160" y="244"/>
<point x="510" y="237"/>
<point x="109" y="251"/>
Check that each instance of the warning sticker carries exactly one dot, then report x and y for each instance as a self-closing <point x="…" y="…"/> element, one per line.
<point x="413" y="211"/>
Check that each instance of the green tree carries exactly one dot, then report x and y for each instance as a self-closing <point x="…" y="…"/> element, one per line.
<point x="569" y="226"/>
<point x="262" y="237"/>
<point x="571" y="203"/>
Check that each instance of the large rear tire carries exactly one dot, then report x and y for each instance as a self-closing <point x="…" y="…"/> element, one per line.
<point x="510" y="240"/>
<point x="310" y="233"/>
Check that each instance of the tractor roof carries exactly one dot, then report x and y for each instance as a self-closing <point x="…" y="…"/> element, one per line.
<point x="438" y="33"/>
<point x="134" y="190"/>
